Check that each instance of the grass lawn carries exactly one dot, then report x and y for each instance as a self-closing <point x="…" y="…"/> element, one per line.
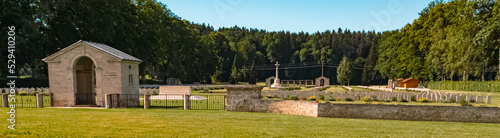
<point x="336" y="88"/>
<point x="70" y="122"/>
<point x="215" y="92"/>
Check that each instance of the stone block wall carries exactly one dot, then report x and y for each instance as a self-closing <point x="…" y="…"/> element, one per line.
<point x="411" y="112"/>
<point x="242" y="98"/>
<point x="305" y="108"/>
<point x="248" y="99"/>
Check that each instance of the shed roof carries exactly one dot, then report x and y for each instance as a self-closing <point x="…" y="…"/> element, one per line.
<point x="410" y="79"/>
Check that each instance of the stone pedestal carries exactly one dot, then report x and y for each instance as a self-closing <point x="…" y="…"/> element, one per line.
<point x="241" y="98"/>
<point x="39" y="100"/>
<point x="147" y="101"/>
<point x="187" y="102"/>
<point x="5" y="102"/>
<point x="107" y="101"/>
<point x="488" y="99"/>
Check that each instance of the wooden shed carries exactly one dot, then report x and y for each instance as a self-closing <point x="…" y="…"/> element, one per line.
<point x="400" y="82"/>
<point x="410" y="83"/>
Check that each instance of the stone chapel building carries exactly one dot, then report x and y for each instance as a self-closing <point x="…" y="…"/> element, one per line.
<point x="84" y="72"/>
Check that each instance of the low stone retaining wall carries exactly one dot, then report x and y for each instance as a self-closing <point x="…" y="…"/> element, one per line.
<point x="248" y="99"/>
<point x="411" y="112"/>
<point x="304" y="108"/>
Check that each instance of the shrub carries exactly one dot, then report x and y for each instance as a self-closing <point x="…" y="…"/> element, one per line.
<point x="367" y="99"/>
<point x="413" y="98"/>
<point x="338" y="99"/>
<point x="291" y="88"/>
<point x="404" y="101"/>
<point x="331" y="98"/>
<point x="295" y="98"/>
<point x="312" y="98"/>
<point x="287" y="97"/>
<point x="472" y="100"/>
<point x="348" y="99"/>
<point x="303" y="98"/>
<point x="423" y="100"/>
<point x="321" y="97"/>
<point x="275" y="96"/>
<point x="464" y="102"/>
<point x="327" y="102"/>
<point x="269" y="96"/>
<point x="385" y="100"/>
<point x="485" y="86"/>
<point x="394" y="99"/>
<point x="3" y="90"/>
<point x="310" y="86"/>
<point x="324" y="88"/>
<point x="155" y="93"/>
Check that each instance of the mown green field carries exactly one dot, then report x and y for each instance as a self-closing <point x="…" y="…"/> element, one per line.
<point x="71" y="122"/>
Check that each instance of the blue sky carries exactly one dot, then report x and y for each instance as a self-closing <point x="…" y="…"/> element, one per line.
<point x="300" y="15"/>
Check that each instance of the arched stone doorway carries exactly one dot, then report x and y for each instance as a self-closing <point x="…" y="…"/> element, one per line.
<point x="85" y="81"/>
<point x="322" y="82"/>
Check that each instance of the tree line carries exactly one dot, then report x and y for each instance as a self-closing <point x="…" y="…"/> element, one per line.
<point x="449" y="40"/>
<point x="455" y="40"/>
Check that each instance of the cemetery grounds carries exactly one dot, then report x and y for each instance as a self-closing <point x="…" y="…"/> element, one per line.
<point x="136" y="122"/>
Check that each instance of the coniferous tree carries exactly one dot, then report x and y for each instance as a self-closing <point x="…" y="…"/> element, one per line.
<point x="234" y="73"/>
<point x="344" y="71"/>
<point x="252" y="79"/>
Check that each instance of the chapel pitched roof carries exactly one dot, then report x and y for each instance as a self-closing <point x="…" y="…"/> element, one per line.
<point x="111" y="50"/>
<point x="103" y="47"/>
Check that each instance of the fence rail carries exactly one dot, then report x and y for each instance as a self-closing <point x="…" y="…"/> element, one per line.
<point x="29" y="100"/>
<point x="207" y="102"/>
<point x="125" y="100"/>
<point x="167" y="101"/>
<point x="170" y="101"/>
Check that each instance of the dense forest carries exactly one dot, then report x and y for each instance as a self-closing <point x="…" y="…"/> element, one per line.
<point x="456" y="40"/>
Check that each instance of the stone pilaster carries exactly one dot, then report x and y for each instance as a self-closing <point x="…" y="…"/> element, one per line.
<point x="5" y="102"/>
<point x="39" y="100"/>
<point x="187" y="102"/>
<point x="107" y="100"/>
<point x="147" y="101"/>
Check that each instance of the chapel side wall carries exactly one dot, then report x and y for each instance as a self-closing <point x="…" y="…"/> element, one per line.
<point x="130" y="88"/>
<point x="60" y="83"/>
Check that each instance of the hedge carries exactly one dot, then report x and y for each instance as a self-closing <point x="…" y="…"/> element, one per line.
<point x="26" y="82"/>
<point x="484" y="86"/>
